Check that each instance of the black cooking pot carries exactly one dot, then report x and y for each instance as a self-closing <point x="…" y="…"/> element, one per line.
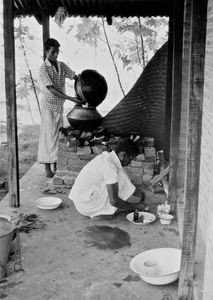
<point x="91" y="87"/>
<point x="84" y="118"/>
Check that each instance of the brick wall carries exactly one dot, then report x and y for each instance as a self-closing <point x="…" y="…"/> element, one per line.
<point x="205" y="214"/>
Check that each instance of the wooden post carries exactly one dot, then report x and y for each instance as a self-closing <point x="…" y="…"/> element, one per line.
<point x="45" y="28"/>
<point x="176" y="102"/>
<point x="185" y="94"/>
<point x="10" y="91"/>
<point x="198" y="40"/>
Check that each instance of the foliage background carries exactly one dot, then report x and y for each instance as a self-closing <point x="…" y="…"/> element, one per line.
<point x="114" y="51"/>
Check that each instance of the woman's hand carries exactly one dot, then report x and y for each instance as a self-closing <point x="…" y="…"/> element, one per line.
<point x="75" y="99"/>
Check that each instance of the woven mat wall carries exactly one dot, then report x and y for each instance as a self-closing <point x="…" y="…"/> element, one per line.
<point x="142" y="110"/>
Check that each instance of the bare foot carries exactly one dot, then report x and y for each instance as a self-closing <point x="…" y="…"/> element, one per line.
<point x="49" y="174"/>
<point x="55" y="166"/>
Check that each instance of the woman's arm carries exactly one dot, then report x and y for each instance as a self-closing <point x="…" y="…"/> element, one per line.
<point x="59" y="94"/>
<point x="115" y="200"/>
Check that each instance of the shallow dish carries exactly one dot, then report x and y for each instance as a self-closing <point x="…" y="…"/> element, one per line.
<point x="165" y="270"/>
<point x="5" y="218"/>
<point x="48" y="203"/>
<point x="148" y="218"/>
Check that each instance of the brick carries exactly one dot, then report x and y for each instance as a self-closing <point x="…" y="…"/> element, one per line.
<point x="146" y="177"/>
<point x="148" y="165"/>
<point x="62" y="163"/>
<point x="64" y="153"/>
<point x="137" y="179"/>
<point x="98" y="149"/>
<point x="73" y="155"/>
<point x="69" y="180"/>
<point x="74" y="168"/>
<point x="58" y="180"/>
<point x="150" y="153"/>
<point x="77" y="162"/>
<point x="133" y="170"/>
<point x="72" y="149"/>
<point x="84" y="150"/>
<point x="140" y="157"/>
<point x="136" y="164"/>
<point x="62" y="173"/>
<point x="87" y="157"/>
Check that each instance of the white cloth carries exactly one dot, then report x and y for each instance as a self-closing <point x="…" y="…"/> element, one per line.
<point x="49" y="136"/>
<point x="89" y="192"/>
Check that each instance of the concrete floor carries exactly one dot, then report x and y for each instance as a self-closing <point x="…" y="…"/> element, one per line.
<point x="70" y="260"/>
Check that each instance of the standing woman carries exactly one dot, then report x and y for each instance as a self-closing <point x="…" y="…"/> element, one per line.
<point x="52" y="75"/>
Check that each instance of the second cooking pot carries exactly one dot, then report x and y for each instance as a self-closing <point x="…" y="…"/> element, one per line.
<point x="84" y="118"/>
<point x="91" y="87"/>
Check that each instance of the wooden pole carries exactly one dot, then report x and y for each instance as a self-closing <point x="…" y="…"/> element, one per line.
<point x="198" y="40"/>
<point x="186" y="63"/>
<point x="168" y="105"/>
<point x="45" y="28"/>
<point x="10" y="91"/>
<point x="176" y="102"/>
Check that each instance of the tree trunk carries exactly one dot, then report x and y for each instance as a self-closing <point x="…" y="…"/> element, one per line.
<point x="110" y="51"/>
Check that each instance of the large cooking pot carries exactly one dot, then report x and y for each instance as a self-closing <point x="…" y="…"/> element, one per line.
<point x="84" y="118"/>
<point x="91" y="87"/>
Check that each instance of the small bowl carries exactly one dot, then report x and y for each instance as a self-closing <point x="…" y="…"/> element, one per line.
<point x="166" y="219"/>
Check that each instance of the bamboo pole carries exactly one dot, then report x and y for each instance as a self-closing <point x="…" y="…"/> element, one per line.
<point x="10" y="91"/>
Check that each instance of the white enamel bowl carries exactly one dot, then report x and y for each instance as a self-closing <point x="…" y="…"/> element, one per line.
<point x="48" y="203"/>
<point x="166" y="219"/>
<point x="148" y="218"/>
<point x="166" y="269"/>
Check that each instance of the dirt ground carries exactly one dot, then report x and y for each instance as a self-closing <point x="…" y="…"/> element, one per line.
<point x="28" y="145"/>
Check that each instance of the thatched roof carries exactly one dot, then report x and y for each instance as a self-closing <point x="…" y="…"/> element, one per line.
<point x="123" y="8"/>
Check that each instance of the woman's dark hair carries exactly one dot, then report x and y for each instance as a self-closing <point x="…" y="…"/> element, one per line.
<point x="127" y="146"/>
<point x="51" y="43"/>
